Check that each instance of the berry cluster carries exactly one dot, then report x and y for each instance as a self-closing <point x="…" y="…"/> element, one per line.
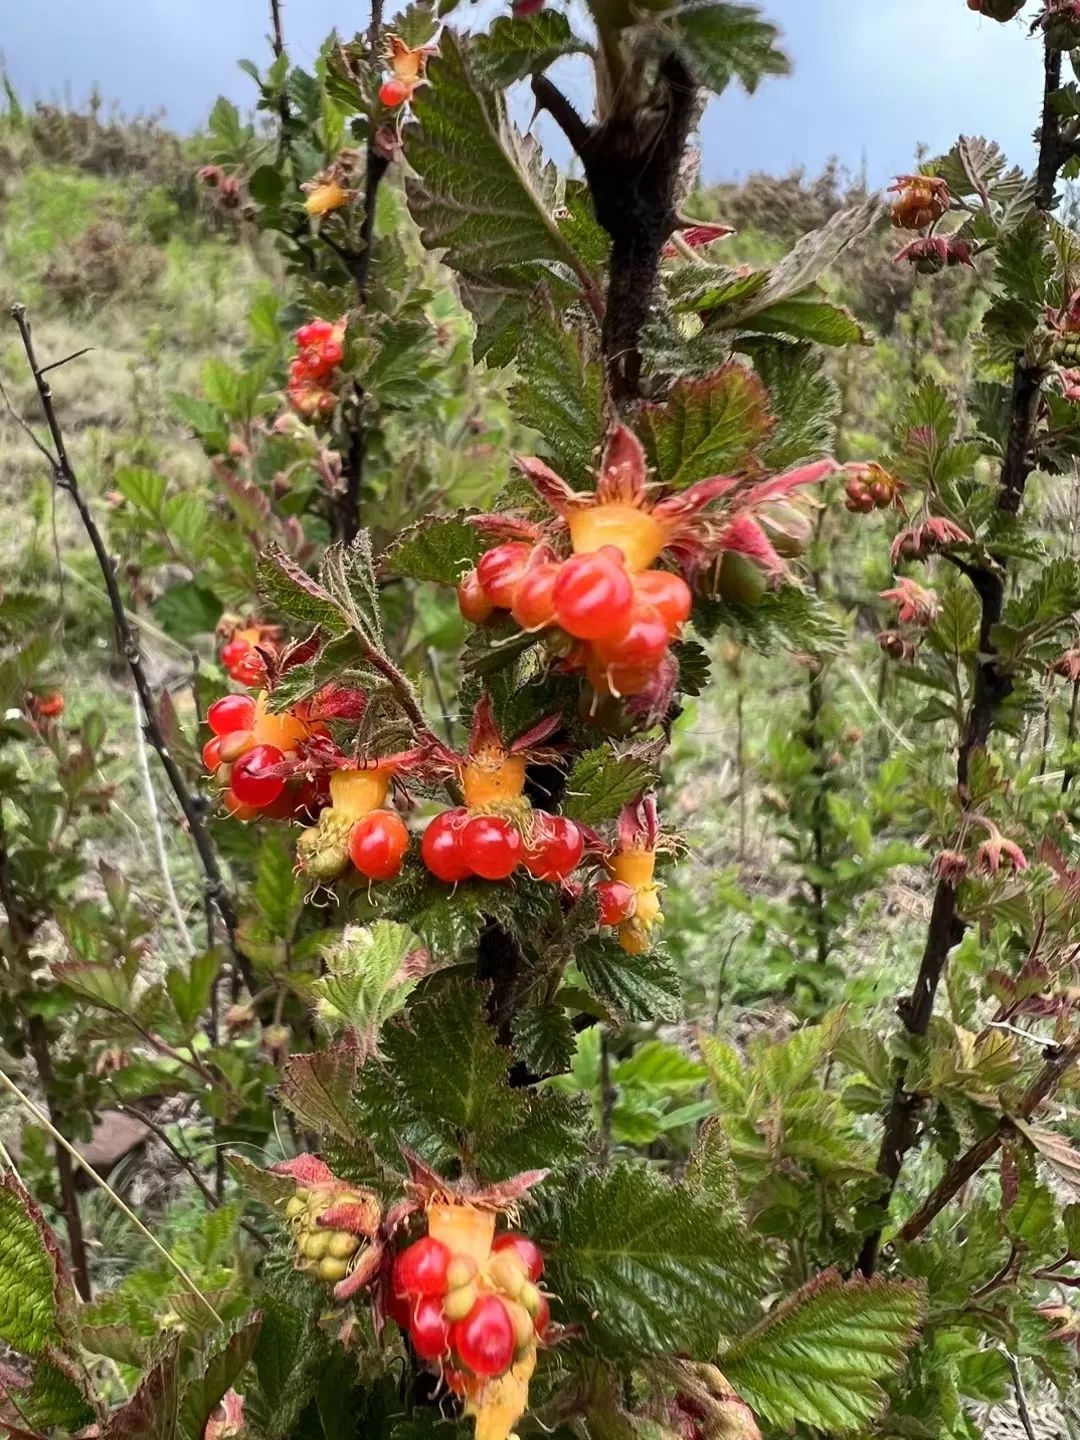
<point x="320" y="350"/>
<point x="250" y="755"/>
<point x="469" y="1303"/>
<point x="326" y="1248"/>
<point x="240" y="653"/>
<point x="498" y="829"/>
<point x="920" y="200"/>
<point x="616" y="624"/>
<point x="630" y="897"/>
<point x="871" y="487"/>
<point x="356" y="826"/>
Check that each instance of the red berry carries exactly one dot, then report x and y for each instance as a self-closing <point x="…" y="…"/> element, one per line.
<point x="440" y="849"/>
<point x="398" y="1307"/>
<point x="500" y="571"/>
<point x="393" y="93"/>
<point x="211" y="755"/>
<point x="555" y="847"/>
<point x="542" y="1318"/>
<point x="484" y="1340"/>
<point x="47" y="707"/>
<point x="231" y="712"/>
<point x="534" y="599"/>
<point x="616" y="901"/>
<point x="667" y="593"/>
<point x="641" y="645"/>
<point x="593" y="594"/>
<point x="377" y="844"/>
<point x="428" y="1330"/>
<point x="250" y="670"/>
<point x="313" y="333"/>
<point x="420" y="1269"/>
<point x="233" y="651"/>
<point x="472" y="602"/>
<point x="491" y="847"/>
<point x="250" y="783"/>
<point x="527" y="1251"/>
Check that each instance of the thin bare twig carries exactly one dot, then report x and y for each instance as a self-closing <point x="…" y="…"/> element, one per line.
<point x="191" y="805"/>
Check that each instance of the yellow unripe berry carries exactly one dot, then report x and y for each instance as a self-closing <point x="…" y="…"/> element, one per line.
<point x="460" y="1301"/>
<point x="343" y="1246"/>
<point x="507" y="1275"/>
<point x="460" y="1271"/>
<point x="332" y="1270"/>
<point x="531" y="1299"/>
<point x="315" y="1244"/>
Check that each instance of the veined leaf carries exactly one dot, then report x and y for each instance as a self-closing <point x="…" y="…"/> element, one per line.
<point x="480" y="192"/>
<point x="603" y="781"/>
<point x="819" y="1358"/>
<point x="219" y="1369"/>
<point x="439" y="547"/>
<point x="560" y="393"/>
<point x="28" y="1274"/>
<point x="651" y="1267"/>
<point x="371" y="972"/>
<point x="706" y="427"/>
<point x="517" y="46"/>
<point x="723" y="42"/>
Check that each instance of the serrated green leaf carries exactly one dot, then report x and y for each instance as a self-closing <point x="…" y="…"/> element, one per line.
<point x="189" y="989"/>
<point x="807" y="317"/>
<point x="706" y="427"/>
<point x="820" y="1357"/>
<point x="291" y="592"/>
<point x="723" y="42"/>
<point x="439" y="548"/>
<point x="602" y="781"/>
<point x="478" y="191"/>
<point x="278" y="891"/>
<point x="517" y="46"/>
<point x="544" y="1038"/>
<point x="444" y="1089"/>
<point x="317" y="1088"/>
<point x="29" y="1319"/>
<point x="802" y="397"/>
<point x="143" y="488"/>
<point x="633" y="987"/>
<point x="560" y="394"/>
<point x="651" y="1267"/>
<point x="54" y="1399"/>
<point x="370" y="973"/>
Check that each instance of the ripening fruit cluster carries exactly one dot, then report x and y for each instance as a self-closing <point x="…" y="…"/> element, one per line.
<point x="474" y="1311"/>
<point x="459" y="844"/>
<point x="630" y="899"/>
<point x="320" y="350"/>
<point x="617" y="623"/>
<point x="241" y="660"/>
<point x="356" y="827"/>
<point x="870" y="487"/>
<point x="326" y="1253"/>
<point x="245" y="755"/>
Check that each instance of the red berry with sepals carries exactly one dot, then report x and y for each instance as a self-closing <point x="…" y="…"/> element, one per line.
<point x="420" y="1269"/>
<point x="211" y="754"/>
<point x="554" y="849"/>
<point x="534" y="598"/>
<point x="251" y="784"/>
<point x="428" y="1330"/>
<point x="251" y="670"/>
<point x="542" y="1318"/>
<point x="377" y="844"/>
<point x="484" y="1340"/>
<point x="526" y="1250"/>
<point x="231" y="712"/>
<point x="617" y="901"/>
<point x="593" y="594"/>
<point x="441" y="849"/>
<point x="641" y="645"/>
<point x="501" y="569"/>
<point x="491" y="847"/>
<point x="233" y="651"/>
<point x="667" y="593"/>
<point x="393" y="93"/>
<point x="473" y="603"/>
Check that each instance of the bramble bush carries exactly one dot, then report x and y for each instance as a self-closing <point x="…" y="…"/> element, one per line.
<point x="512" y="474"/>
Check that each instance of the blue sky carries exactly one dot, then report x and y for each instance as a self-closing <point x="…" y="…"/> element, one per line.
<point x="873" y="78"/>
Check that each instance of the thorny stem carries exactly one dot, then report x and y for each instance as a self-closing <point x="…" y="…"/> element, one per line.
<point x="1060" y="1061"/>
<point x="991" y="687"/>
<point x="20" y="930"/>
<point x="191" y="805"/>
